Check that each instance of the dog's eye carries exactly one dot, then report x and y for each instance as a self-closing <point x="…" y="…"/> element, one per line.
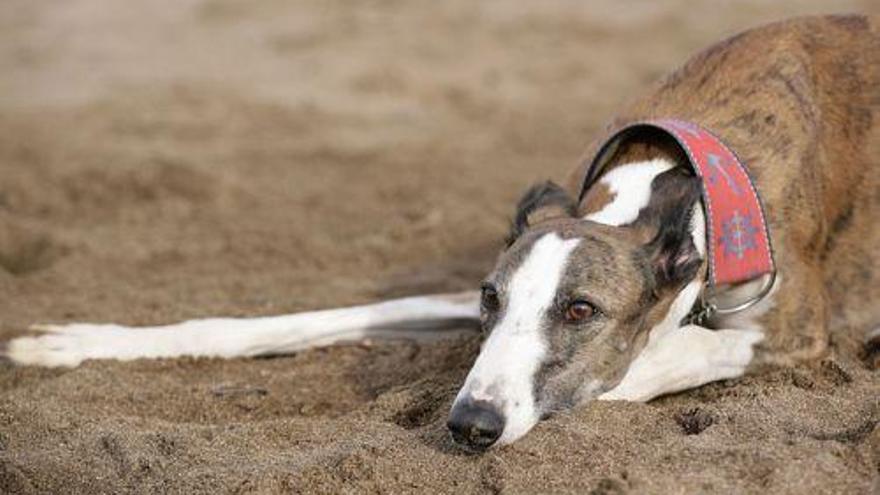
<point x="489" y="298"/>
<point x="579" y="311"/>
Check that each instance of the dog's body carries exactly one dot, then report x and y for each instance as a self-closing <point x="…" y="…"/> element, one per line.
<point x="799" y="102"/>
<point x="587" y="302"/>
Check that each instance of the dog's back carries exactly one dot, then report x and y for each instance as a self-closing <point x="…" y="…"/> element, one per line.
<point x="799" y="101"/>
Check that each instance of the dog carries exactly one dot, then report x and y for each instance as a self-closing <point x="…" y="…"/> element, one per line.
<point x="600" y="292"/>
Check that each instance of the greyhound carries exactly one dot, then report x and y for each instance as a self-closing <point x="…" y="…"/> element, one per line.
<point x="600" y="292"/>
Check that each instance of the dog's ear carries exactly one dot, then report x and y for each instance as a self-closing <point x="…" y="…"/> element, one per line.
<point x="672" y="253"/>
<point x="541" y="202"/>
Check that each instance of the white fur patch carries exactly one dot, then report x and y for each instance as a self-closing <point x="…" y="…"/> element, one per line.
<point x="631" y="185"/>
<point x="698" y="229"/>
<point x="504" y="371"/>
<point x="688" y="357"/>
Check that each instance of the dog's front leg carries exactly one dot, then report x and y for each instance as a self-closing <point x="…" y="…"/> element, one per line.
<point x="685" y="358"/>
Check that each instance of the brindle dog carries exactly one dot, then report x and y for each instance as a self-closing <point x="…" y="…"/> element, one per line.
<point x="589" y="299"/>
<point x="799" y="101"/>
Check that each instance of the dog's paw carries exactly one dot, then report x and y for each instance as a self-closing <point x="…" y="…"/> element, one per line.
<point x="61" y="345"/>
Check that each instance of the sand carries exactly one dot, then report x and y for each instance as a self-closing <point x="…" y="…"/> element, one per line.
<point x="177" y="159"/>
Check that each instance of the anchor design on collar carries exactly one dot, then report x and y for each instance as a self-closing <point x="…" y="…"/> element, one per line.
<point x="717" y="163"/>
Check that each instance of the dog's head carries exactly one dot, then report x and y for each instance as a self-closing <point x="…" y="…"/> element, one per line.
<point x="571" y="301"/>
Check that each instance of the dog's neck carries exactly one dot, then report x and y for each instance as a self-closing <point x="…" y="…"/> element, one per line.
<point x="633" y="163"/>
<point x="625" y="186"/>
<point x="624" y="190"/>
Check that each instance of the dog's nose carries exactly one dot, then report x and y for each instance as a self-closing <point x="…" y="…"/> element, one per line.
<point x="475" y="425"/>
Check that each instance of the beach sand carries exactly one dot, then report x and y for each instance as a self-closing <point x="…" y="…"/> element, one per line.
<point x="168" y="160"/>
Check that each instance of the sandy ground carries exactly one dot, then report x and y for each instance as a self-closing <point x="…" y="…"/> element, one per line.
<point x="175" y="159"/>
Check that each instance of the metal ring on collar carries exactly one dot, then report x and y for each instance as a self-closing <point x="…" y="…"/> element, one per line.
<point x="765" y="291"/>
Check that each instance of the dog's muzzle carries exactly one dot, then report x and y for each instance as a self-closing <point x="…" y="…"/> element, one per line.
<point x="475" y="425"/>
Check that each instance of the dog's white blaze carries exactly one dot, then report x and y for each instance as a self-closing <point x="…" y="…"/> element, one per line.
<point x="504" y="372"/>
<point x="631" y="185"/>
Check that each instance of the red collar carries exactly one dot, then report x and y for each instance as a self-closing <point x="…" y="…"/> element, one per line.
<point x="737" y="234"/>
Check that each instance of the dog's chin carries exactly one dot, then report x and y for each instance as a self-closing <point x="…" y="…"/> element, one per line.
<point x="469" y="449"/>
